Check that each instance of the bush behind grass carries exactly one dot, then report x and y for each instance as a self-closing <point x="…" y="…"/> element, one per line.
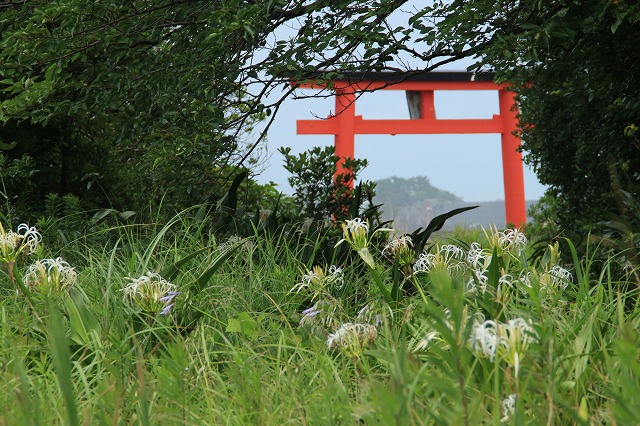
<point x="232" y="351"/>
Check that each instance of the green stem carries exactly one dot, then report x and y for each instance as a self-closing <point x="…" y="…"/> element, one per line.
<point x="379" y="281"/>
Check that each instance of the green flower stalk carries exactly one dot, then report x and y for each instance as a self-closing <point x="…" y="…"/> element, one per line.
<point x="356" y="233"/>
<point x="552" y="255"/>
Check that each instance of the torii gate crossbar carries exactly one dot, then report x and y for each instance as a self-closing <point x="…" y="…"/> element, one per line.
<point x="344" y="124"/>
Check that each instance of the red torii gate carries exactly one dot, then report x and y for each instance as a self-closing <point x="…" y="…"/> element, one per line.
<point x="345" y="124"/>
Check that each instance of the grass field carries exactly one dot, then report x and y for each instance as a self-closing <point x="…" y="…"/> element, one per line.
<point x="171" y="325"/>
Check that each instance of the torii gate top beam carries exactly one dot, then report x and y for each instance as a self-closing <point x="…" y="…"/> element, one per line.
<point x="421" y="86"/>
<point x="435" y="80"/>
<point x="389" y="78"/>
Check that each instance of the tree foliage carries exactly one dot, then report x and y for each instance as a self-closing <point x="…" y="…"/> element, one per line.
<point x="153" y="97"/>
<point x="318" y="195"/>
<point x="577" y="71"/>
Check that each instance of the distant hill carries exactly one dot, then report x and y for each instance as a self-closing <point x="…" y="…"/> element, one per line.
<point x="412" y="203"/>
<point x="403" y="192"/>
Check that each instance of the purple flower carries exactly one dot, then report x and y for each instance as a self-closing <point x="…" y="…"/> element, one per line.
<point x="168" y="299"/>
<point x="170" y="296"/>
<point x="166" y="310"/>
<point x="310" y="312"/>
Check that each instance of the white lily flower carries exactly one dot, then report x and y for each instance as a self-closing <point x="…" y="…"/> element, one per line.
<point x="319" y="282"/>
<point x="449" y="258"/>
<point x="506" y="340"/>
<point x="150" y="292"/>
<point x="25" y="241"/>
<point x="50" y="274"/>
<point x="508" y="408"/>
<point x="352" y="338"/>
<point x="513" y="240"/>
<point x="560" y="277"/>
<point x="356" y="233"/>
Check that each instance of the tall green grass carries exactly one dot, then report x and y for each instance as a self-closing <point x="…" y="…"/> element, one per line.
<point x="232" y="351"/>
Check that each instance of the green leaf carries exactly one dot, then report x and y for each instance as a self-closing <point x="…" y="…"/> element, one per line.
<point x="396" y="291"/>
<point x="379" y="282"/>
<point x="81" y="322"/>
<point x="126" y="215"/>
<point x="62" y="363"/>
<point x="171" y="271"/>
<point x="584" y="339"/>
<point x="420" y="236"/>
<point x="203" y="279"/>
<point x="6" y="147"/>
<point x="229" y="203"/>
<point x="101" y="215"/>
<point x="493" y="276"/>
<point x="243" y="324"/>
<point x="367" y="257"/>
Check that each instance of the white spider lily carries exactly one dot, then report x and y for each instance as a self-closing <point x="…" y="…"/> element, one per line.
<point x="12" y="244"/>
<point x="515" y="336"/>
<point x="151" y="293"/>
<point x="484" y="339"/>
<point x="356" y="233"/>
<point x="425" y="341"/>
<point x="425" y="262"/>
<point x="478" y="283"/>
<point x="512" y="240"/>
<point x="508" y="408"/>
<point x="559" y="277"/>
<point x="50" y="274"/>
<point x="319" y="282"/>
<point x="452" y="252"/>
<point x="448" y="258"/>
<point x="477" y="258"/>
<point x="352" y="338"/>
<point x="505" y="340"/>
<point x="400" y="247"/>
<point x="556" y="278"/>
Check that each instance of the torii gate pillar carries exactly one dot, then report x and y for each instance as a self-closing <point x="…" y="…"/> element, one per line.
<point x="344" y="124"/>
<point x="344" y="139"/>
<point x="512" y="170"/>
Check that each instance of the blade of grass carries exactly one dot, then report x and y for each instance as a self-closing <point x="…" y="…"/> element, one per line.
<point x="62" y="363"/>
<point x="217" y="262"/>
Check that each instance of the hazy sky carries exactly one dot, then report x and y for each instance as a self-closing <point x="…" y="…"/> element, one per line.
<point x="470" y="166"/>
